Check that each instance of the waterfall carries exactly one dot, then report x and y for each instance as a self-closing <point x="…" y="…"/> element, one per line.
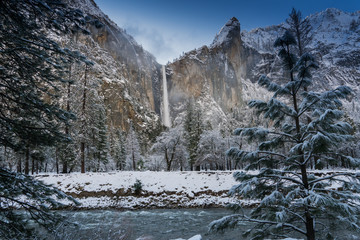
<point x="166" y="113"/>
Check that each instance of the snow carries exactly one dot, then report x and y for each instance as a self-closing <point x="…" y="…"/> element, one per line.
<point x="224" y="34"/>
<point x="196" y="237"/>
<point x="334" y="45"/>
<point x="153" y="181"/>
<point x="160" y="189"/>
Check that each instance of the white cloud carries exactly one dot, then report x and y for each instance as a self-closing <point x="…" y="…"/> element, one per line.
<point x="164" y="42"/>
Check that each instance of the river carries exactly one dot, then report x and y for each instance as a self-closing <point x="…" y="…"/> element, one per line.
<point x="157" y="224"/>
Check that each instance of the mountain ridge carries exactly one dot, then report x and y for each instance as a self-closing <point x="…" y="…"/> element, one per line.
<point x="220" y="77"/>
<point x="334" y="45"/>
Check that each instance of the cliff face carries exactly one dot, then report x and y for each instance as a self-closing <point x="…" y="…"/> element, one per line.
<point x="129" y="76"/>
<point x="334" y="42"/>
<point x="227" y="70"/>
<point x="217" y="71"/>
<point x="220" y="77"/>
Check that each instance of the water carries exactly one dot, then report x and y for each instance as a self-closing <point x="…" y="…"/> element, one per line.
<point x="158" y="224"/>
<point x="166" y="119"/>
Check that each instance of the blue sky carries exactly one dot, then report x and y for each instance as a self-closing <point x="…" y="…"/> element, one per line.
<point x="168" y="28"/>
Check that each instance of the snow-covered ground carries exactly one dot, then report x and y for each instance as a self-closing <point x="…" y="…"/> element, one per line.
<point x="160" y="189"/>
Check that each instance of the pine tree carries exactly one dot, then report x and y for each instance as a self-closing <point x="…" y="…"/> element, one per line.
<point x="301" y="29"/>
<point x="31" y="67"/>
<point x="292" y="199"/>
<point x="193" y="127"/>
<point x="102" y="139"/>
<point x="120" y="151"/>
<point x="22" y="191"/>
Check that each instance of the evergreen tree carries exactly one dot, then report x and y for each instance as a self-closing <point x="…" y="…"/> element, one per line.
<point x="301" y="29"/>
<point x="66" y="154"/>
<point x="31" y="67"/>
<point x="120" y="151"/>
<point x="193" y="129"/>
<point x="102" y="140"/>
<point x="34" y="197"/>
<point x="292" y="199"/>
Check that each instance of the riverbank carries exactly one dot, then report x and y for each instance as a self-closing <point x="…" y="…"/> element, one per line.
<point x="159" y="189"/>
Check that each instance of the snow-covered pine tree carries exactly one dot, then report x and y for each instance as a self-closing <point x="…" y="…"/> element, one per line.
<point x="31" y="65"/>
<point x="301" y="29"/>
<point x="193" y="127"/>
<point x="102" y="140"/>
<point x="291" y="197"/>
<point x="119" y="154"/>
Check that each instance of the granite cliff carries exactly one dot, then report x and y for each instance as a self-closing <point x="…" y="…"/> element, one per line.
<point x="129" y="76"/>
<point x="220" y="77"/>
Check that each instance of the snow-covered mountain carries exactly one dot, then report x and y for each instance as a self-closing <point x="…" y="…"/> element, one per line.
<point x="335" y="43"/>
<point x="226" y="71"/>
<point x="220" y="77"/>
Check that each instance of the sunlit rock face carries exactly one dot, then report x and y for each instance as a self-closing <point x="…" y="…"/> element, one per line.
<point x="220" y="77"/>
<point x="217" y="70"/>
<point x="130" y="76"/>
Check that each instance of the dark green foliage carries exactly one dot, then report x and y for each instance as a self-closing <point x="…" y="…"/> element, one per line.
<point x="311" y="127"/>
<point x="31" y="66"/>
<point x="31" y="70"/>
<point x="301" y="30"/>
<point x="102" y="140"/>
<point x="193" y="129"/>
<point x="137" y="187"/>
<point x="120" y="150"/>
<point x="22" y="191"/>
<point x="66" y="152"/>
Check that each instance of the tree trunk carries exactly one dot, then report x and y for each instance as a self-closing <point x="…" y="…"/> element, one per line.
<point x="37" y="167"/>
<point x="56" y="161"/>
<point x="310" y="231"/>
<point x="27" y="160"/>
<point x="32" y="166"/>
<point x="65" y="166"/>
<point x="65" y="163"/>
<point x="133" y="160"/>
<point x="82" y="150"/>
<point x="19" y="165"/>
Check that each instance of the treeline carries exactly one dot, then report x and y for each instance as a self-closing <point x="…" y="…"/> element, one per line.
<point x="193" y="145"/>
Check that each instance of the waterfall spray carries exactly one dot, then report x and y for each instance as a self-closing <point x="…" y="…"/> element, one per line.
<point x="166" y="113"/>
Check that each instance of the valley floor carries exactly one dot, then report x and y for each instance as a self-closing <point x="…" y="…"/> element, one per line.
<point x="188" y="189"/>
<point x="159" y="189"/>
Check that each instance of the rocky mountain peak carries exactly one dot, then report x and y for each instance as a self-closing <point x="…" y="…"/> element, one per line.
<point x="228" y="32"/>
